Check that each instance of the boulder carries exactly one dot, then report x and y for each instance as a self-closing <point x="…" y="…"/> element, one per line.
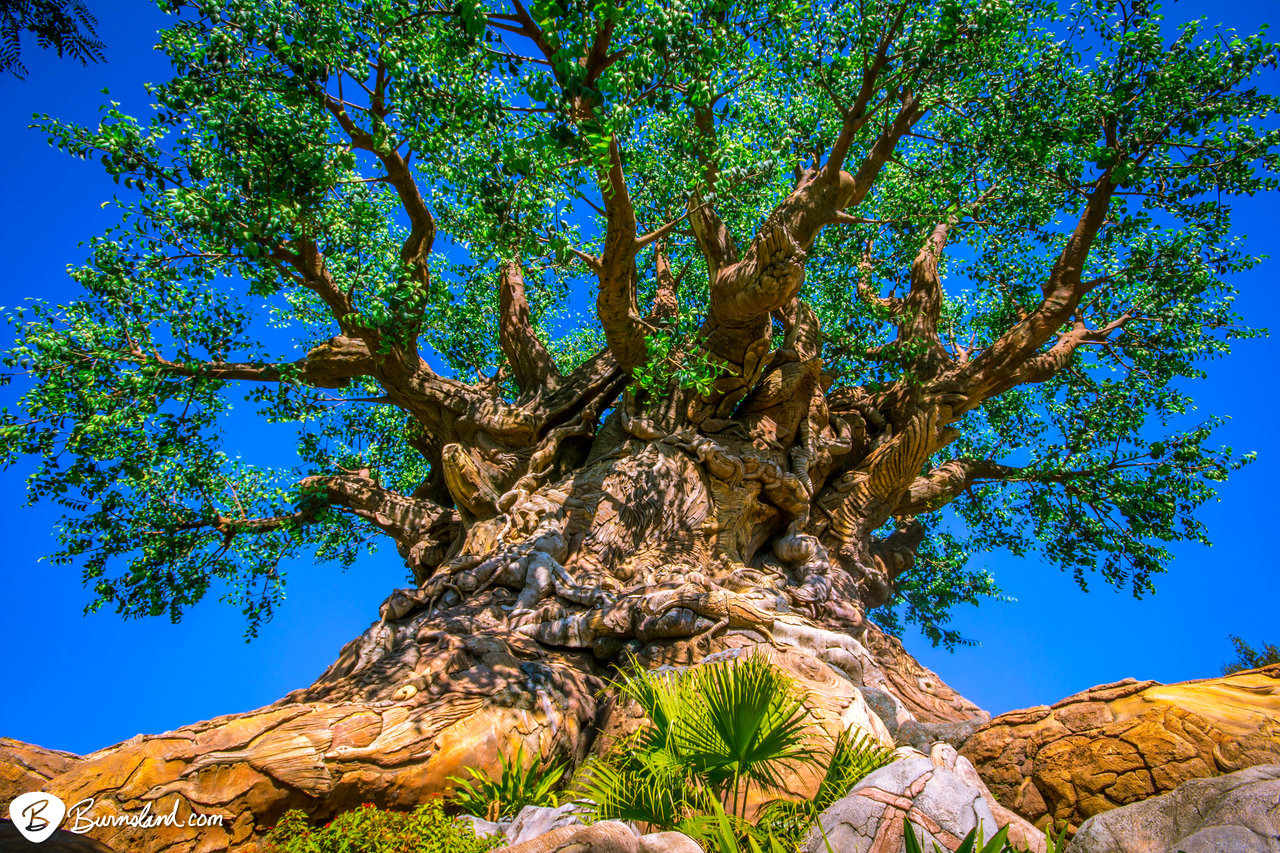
<point x="923" y="736"/>
<point x="1125" y="742"/>
<point x="609" y="836"/>
<point x="941" y="794"/>
<point x="1239" y="812"/>
<point x="26" y="767"/>
<point x="534" y="821"/>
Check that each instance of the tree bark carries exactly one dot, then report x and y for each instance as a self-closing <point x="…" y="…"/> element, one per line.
<point x="663" y="548"/>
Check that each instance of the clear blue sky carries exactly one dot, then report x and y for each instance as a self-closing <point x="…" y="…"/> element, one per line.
<point x="81" y="683"/>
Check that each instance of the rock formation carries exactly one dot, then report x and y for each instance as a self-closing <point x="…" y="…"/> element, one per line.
<point x="331" y="747"/>
<point x="1121" y="743"/>
<point x="940" y="794"/>
<point x="606" y="837"/>
<point x="1238" y="812"/>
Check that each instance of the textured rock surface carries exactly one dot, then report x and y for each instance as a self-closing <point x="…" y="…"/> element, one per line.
<point x="923" y="736"/>
<point x="26" y="767"/>
<point x="318" y="757"/>
<point x="1121" y="743"/>
<point x="869" y="820"/>
<point x="606" y="837"/>
<point x="394" y="732"/>
<point x="1238" y="812"/>
<point x="535" y="821"/>
<point x="941" y="794"/>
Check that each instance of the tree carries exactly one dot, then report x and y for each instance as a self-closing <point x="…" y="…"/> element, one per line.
<point x="1247" y="657"/>
<point x="64" y="25"/>
<point x="877" y="285"/>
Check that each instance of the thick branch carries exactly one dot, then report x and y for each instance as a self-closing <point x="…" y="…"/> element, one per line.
<point x="531" y="364"/>
<point x="771" y="273"/>
<point x="406" y="520"/>
<point x="666" y="302"/>
<point x="861" y="110"/>
<point x="330" y="365"/>
<point x="953" y="477"/>
<point x="616" y="301"/>
<point x="922" y="307"/>
<point x="422" y="225"/>
<point x="710" y="232"/>
<point x="995" y="367"/>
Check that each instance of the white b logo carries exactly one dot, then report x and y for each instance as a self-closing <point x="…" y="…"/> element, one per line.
<point x="37" y="815"/>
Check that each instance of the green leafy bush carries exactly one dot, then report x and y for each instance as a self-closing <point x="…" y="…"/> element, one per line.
<point x="716" y="733"/>
<point x="372" y="830"/>
<point x="517" y="786"/>
<point x="1248" y="657"/>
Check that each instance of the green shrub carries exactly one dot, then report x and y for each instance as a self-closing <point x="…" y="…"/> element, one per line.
<point x="1248" y="657"/>
<point x="372" y="830"/>
<point x="973" y="842"/>
<point x="517" y="786"/>
<point x="715" y="733"/>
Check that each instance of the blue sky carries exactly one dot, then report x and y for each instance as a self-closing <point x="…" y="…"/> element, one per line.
<point x="81" y="683"/>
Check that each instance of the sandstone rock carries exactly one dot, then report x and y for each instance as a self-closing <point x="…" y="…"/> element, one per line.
<point x="1121" y="743"/>
<point x="1238" y="812"/>
<point x="923" y="736"/>
<point x="25" y="767"/>
<point x="668" y="842"/>
<point x="1021" y="833"/>
<point x="482" y="827"/>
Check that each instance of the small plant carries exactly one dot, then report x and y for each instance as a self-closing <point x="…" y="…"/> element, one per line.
<point x="852" y="758"/>
<point x="517" y="786"/>
<point x="372" y="830"/>
<point x="717" y="733"/>
<point x="971" y="843"/>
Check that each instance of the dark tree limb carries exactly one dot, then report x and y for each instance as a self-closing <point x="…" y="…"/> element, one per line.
<point x="616" y="302"/>
<point x="992" y="370"/>
<point x="405" y="519"/>
<point x="531" y="365"/>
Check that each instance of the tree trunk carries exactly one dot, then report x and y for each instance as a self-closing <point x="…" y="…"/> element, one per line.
<point x="665" y="548"/>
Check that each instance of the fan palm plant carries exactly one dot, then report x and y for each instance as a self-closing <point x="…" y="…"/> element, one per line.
<point x="747" y="727"/>
<point x="717" y="733"/>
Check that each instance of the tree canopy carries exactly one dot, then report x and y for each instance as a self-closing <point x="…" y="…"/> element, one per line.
<point x="408" y="226"/>
<point x="67" y="26"/>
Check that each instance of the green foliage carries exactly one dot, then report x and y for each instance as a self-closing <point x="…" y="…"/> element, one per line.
<point x="517" y="786"/>
<point x="715" y="732"/>
<point x="67" y="26"/>
<point x="973" y="842"/>
<point x="852" y="757"/>
<point x="676" y="359"/>
<point x="242" y="160"/>
<point x="371" y="830"/>
<point x="1249" y="658"/>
